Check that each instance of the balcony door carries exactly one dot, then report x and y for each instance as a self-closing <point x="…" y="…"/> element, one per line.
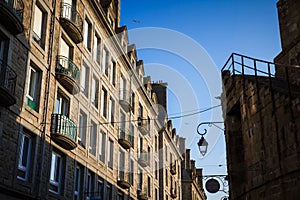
<point x="62" y="104"/>
<point x="69" y="8"/>
<point x="66" y="52"/>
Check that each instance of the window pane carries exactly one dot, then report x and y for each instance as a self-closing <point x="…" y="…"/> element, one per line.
<point x="37" y="24"/>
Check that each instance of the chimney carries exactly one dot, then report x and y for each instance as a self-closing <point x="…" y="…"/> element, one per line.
<point x="187" y="159"/>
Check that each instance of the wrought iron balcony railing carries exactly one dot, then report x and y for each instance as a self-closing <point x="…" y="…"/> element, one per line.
<point x="8" y="79"/>
<point x="63" y="131"/>
<point x="71" y="22"/>
<point x="11" y="15"/>
<point x="125" y="138"/>
<point x="143" y="158"/>
<point x="68" y="73"/>
<point x="123" y="179"/>
<point x="125" y="99"/>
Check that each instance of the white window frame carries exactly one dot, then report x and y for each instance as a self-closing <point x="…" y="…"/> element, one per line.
<point x="53" y="169"/>
<point x="21" y="167"/>
<point x="95" y="92"/>
<point x="93" y="139"/>
<point x="102" y="146"/>
<point x="97" y="48"/>
<point x="82" y="128"/>
<point x="39" y="25"/>
<point x="35" y="86"/>
<point x="110" y="156"/>
<point x="87" y="38"/>
<point x="104" y="95"/>
<point x="77" y="186"/>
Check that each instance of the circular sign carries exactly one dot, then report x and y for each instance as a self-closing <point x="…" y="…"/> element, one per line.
<point x="212" y="185"/>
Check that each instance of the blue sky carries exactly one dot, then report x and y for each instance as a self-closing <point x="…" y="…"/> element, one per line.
<point x="217" y="28"/>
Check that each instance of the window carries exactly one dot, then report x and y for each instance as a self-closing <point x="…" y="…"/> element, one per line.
<point x="55" y="173"/>
<point x="84" y="80"/>
<point x="104" y="103"/>
<point x="122" y="130"/>
<point x="121" y="165"/>
<point x="78" y="174"/>
<point x="113" y="73"/>
<point x="122" y="88"/>
<point x="166" y="177"/>
<point x="102" y="146"/>
<point x="4" y="44"/>
<point x="156" y="144"/>
<point x="132" y="135"/>
<point x="105" y="61"/>
<point x="140" y="111"/>
<point x="110" y="154"/>
<point x="120" y="195"/>
<point x="33" y="90"/>
<point x="156" y="194"/>
<point x="149" y="187"/>
<point x="140" y="146"/>
<point x="87" y="34"/>
<point x="82" y="129"/>
<point x="97" y="47"/>
<point x="95" y="92"/>
<point x="156" y="170"/>
<point x="140" y="179"/>
<point x="148" y="123"/>
<point x="93" y="138"/>
<point x="62" y="103"/>
<point x="100" y="188"/>
<point x="39" y="26"/>
<point x="112" y="111"/>
<point x="24" y="156"/>
<point x="65" y="50"/>
<point x="90" y="184"/>
<point x="133" y="102"/>
<point x="148" y="155"/>
<point x="108" y="191"/>
<point x="131" y="171"/>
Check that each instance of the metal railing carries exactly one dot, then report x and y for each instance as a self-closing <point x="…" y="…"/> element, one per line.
<point x="125" y="134"/>
<point x="8" y="78"/>
<point x="69" y="12"/>
<point x="16" y="6"/>
<point x="143" y="155"/>
<point x="125" y="95"/>
<point x="276" y="76"/>
<point x="67" y="67"/>
<point x="61" y="124"/>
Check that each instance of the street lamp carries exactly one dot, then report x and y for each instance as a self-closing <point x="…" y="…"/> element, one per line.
<point x="202" y="143"/>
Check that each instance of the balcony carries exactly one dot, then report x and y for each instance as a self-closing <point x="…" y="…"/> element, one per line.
<point x="142" y="194"/>
<point x="72" y="22"/>
<point x="63" y="131"/>
<point x="173" y="193"/>
<point x="11" y="15"/>
<point x="8" y="79"/>
<point x="143" y="159"/>
<point x="123" y="180"/>
<point x="125" y="100"/>
<point x="125" y="138"/>
<point x="173" y="169"/>
<point x="68" y="74"/>
<point x="143" y="126"/>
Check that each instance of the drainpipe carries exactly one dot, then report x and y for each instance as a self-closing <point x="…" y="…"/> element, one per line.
<point x="46" y="102"/>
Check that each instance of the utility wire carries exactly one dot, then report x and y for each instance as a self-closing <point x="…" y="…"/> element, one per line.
<point x="137" y="120"/>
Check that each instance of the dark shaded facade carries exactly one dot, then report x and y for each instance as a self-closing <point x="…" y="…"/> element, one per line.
<point x="261" y="108"/>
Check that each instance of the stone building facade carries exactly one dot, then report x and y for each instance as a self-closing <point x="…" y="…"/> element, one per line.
<point x="191" y="177"/>
<point x="260" y="103"/>
<point x="78" y="120"/>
